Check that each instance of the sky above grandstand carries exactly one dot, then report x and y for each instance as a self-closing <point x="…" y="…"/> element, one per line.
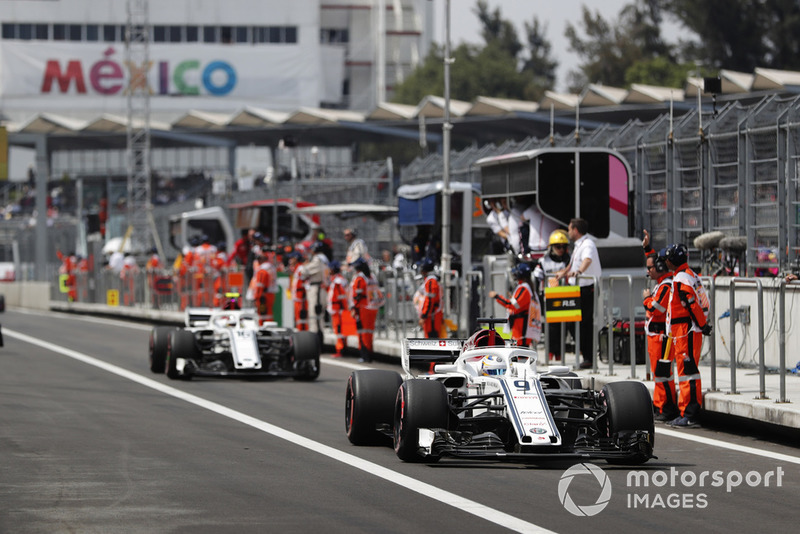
<point x="464" y="24"/>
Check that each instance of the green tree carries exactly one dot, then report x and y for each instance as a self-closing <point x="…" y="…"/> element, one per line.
<point x="739" y="34"/>
<point x="659" y="71"/>
<point x="496" y="30"/>
<point x="539" y="64"/>
<point x="495" y="69"/>
<point x="607" y="50"/>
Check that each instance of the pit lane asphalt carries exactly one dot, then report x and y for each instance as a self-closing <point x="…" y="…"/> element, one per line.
<point x="85" y="450"/>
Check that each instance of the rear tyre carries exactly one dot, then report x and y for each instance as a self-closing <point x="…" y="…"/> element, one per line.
<point x="180" y="344"/>
<point x="158" y="348"/>
<point x="369" y="403"/>
<point x="629" y="408"/>
<point x="306" y="355"/>
<point x="420" y="403"/>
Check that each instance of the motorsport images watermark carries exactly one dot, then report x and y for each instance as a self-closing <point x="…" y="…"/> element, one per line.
<point x="660" y="489"/>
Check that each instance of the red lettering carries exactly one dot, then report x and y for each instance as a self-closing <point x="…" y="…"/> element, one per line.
<point x="105" y="70"/>
<point x="53" y="72"/>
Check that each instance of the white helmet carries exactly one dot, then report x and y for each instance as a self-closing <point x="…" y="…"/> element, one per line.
<point x="493" y="365"/>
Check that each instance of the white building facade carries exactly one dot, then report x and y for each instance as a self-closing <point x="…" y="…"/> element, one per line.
<point x="67" y="57"/>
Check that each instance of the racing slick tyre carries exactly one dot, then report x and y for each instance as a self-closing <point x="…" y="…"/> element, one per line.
<point x="420" y="403"/>
<point x="180" y="344"/>
<point x="158" y="348"/>
<point x="629" y="409"/>
<point x="369" y="403"/>
<point x="306" y="355"/>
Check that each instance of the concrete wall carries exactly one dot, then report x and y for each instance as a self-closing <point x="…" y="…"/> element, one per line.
<point x="34" y="295"/>
<point x="746" y="334"/>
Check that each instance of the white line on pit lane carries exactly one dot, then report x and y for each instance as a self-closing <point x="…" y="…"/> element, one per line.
<point x="86" y="318"/>
<point x="725" y="445"/>
<point x="427" y="490"/>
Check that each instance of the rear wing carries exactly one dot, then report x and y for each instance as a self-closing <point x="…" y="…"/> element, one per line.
<point x="198" y="316"/>
<point x="202" y="316"/>
<point x="419" y="351"/>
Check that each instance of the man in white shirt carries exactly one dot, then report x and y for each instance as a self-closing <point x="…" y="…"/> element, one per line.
<point x="356" y="247"/>
<point x="497" y="219"/>
<point x="540" y="229"/>
<point x="515" y="223"/>
<point x="584" y="265"/>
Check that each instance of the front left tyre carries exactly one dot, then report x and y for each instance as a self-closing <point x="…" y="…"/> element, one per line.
<point x="306" y="355"/>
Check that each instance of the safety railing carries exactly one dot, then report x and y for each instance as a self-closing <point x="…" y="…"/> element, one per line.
<point x="783" y="285"/>
<point x="735" y="314"/>
<point x="631" y="324"/>
<point x="711" y="281"/>
<point x="762" y="389"/>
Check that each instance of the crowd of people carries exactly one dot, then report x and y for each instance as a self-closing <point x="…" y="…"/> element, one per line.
<point x="321" y="289"/>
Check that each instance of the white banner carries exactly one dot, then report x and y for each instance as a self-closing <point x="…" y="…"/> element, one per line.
<point x="50" y="76"/>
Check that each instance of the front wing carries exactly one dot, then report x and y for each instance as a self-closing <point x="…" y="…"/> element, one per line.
<point x="463" y="445"/>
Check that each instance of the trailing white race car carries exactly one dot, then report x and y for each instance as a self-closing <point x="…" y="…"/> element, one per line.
<point x="487" y="400"/>
<point x="230" y="343"/>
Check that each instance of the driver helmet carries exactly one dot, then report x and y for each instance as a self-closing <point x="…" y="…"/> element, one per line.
<point x="231" y="302"/>
<point x="493" y="365"/>
<point x="484" y="338"/>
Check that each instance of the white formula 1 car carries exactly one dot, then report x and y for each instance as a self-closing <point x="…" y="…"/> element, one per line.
<point x="230" y="343"/>
<point x="487" y="400"/>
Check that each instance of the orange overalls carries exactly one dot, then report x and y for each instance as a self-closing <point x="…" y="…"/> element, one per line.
<point x="686" y="319"/>
<point x="68" y="268"/>
<point x="363" y="314"/>
<point x="183" y="269"/>
<point x="261" y="295"/>
<point x="202" y="279"/>
<point x="524" y="314"/>
<point x="431" y="308"/>
<point x="337" y="303"/>
<point x="655" y="306"/>
<point x="151" y="267"/>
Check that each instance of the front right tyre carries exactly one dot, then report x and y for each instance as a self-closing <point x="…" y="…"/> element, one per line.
<point x="420" y="403"/>
<point x="158" y="348"/>
<point x="180" y="344"/>
<point x="629" y="408"/>
<point x="369" y="404"/>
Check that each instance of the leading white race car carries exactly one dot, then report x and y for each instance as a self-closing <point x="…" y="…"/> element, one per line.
<point x="230" y="343"/>
<point x="487" y="400"/>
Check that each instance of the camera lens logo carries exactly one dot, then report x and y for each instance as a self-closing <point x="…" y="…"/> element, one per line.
<point x="602" y="499"/>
